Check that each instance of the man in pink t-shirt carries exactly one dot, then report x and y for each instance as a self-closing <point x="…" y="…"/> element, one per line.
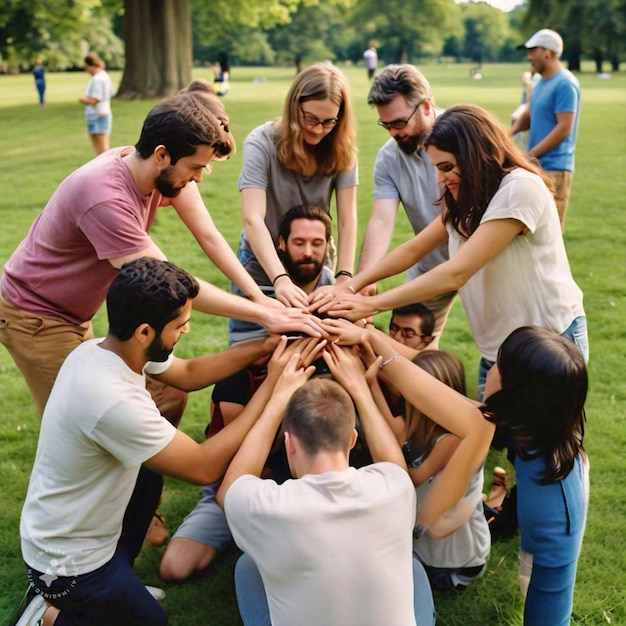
<point x="99" y="218"/>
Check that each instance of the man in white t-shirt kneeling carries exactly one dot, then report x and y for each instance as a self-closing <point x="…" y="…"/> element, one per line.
<point x="334" y="545"/>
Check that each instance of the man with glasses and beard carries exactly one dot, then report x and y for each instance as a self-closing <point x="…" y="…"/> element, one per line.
<point x="304" y="241"/>
<point x="403" y="173"/>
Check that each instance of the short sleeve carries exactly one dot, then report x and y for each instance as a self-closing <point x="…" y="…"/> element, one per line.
<point x="257" y="160"/>
<point x="384" y="185"/>
<point x="347" y="179"/>
<point x="566" y="98"/>
<point x="155" y="367"/>
<point x="114" y="229"/>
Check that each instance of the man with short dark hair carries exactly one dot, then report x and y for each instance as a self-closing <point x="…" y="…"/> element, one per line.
<point x="333" y="545"/>
<point x="412" y="325"/>
<point x="99" y="218"/>
<point x="303" y="245"/>
<point x="99" y="427"/>
<point x="403" y="172"/>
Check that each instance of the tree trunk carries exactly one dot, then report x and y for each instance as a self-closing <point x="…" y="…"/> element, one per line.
<point x="157" y="34"/>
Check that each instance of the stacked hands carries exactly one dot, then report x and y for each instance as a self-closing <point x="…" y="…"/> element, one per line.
<point x="346" y="352"/>
<point x="303" y="313"/>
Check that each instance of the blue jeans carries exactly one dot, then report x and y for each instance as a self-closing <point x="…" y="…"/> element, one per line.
<point x="576" y="332"/>
<point x="254" y="609"/>
<point x="550" y="595"/>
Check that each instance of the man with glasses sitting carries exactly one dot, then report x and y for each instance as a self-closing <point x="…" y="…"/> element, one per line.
<point x="403" y="173"/>
<point x="412" y="325"/>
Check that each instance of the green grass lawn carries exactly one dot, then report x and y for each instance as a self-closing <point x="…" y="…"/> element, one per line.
<point x="39" y="146"/>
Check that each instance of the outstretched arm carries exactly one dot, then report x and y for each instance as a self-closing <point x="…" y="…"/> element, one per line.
<point x="346" y="230"/>
<point x="452" y="411"/>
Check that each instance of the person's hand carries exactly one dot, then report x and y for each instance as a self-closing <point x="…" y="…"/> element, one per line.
<point x="289" y="293"/>
<point x="292" y="320"/>
<point x="268" y="301"/>
<point x="326" y="294"/>
<point x="292" y="377"/>
<point x="352" y="307"/>
<point x="368" y="290"/>
<point x="346" y="367"/>
<point x="345" y="333"/>
<point x="307" y="348"/>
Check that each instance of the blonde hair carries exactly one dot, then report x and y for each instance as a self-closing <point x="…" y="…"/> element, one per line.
<point x="337" y="151"/>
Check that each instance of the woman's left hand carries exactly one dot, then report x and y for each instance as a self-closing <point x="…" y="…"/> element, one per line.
<point x="350" y="306"/>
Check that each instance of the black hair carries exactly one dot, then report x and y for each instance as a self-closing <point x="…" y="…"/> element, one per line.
<point x="417" y="308"/>
<point x="147" y="291"/>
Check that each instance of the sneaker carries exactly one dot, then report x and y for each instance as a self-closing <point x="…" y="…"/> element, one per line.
<point x="31" y="609"/>
<point x="156" y="592"/>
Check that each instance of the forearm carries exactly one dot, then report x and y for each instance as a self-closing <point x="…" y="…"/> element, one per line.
<point x="253" y="452"/>
<point x="346" y="229"/>
<point x="263" y="247"/>
<point x="375" y="242"/>
<point x="549" y="142"/>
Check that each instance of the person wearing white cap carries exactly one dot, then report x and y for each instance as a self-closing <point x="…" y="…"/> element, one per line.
<point x="552" y="117"/>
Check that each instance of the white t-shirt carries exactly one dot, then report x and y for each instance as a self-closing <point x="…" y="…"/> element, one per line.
<point x="99" y="87"/>
<point x="530" y="281"/>
<point x="334" y="548"/>
<point x="99" y="425"/>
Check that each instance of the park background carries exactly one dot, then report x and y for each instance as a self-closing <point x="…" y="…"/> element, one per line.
<point x="39" y="146"/>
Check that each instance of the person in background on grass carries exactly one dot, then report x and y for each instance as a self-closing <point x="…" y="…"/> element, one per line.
<point x="507" y="256"/>
<point x="97" y="102"/>
<point x="371" y="60"/>
<point x="348" y="559"/>
<point x="403" y="174"/>
<point x="553" y="114"/>
<point x="302" y="158"/>
<point x="82" y="525"/>
<point x="538" y="389"/>
<point x="39" y="73"/>
<point x="303" y="246"/>
<point x="98" y="219"/>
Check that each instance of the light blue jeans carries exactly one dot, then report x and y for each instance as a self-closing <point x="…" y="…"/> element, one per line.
<point x="576" y="332"/>
<point x="255" y="611"/>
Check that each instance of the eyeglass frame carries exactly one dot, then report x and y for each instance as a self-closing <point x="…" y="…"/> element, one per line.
<point x="407" y="333"/>
<point x="400" y="124"/>
<point x="327" y="124"/>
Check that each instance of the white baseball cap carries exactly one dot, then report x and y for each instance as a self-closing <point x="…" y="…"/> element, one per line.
<point x="545" y="38"/>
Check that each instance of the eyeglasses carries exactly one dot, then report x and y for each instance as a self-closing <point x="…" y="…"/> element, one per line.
<point x="400" y="124"/>
<point x="310" y="120"/>
<point x="407" y="333"/>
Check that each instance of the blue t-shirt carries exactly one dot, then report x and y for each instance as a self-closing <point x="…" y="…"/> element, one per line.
<point x="551" y="517"/>
<point x="558" y="94"/>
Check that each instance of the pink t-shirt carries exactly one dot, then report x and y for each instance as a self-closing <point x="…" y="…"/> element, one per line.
<point x="61" y="269"/>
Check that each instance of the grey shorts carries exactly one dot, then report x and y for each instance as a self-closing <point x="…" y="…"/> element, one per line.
<point x="206" y="523"/>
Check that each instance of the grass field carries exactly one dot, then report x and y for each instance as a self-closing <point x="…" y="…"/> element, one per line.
<point x="39" y="146"/>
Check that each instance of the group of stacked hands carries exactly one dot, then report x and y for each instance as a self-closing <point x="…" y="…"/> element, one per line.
<point x="410" y="518"/>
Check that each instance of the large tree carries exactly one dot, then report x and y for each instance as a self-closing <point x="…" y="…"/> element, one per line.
<point x="157" y="34"/>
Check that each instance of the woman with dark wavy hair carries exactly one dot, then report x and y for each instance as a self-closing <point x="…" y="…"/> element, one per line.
<point x="302" y="158"/>
<point x="538" y="389"/>
<point x="507" y="256"/>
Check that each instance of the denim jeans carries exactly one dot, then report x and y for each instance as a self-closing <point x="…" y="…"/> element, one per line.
<point x="255" y="611"/>
<point x="576" y="332"/>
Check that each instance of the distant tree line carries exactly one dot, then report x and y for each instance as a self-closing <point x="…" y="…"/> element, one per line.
<point x="133" y="34"/>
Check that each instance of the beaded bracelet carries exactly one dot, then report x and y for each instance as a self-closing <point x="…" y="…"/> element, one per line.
<point x="343" y="273"/>
<point x="393" y="357"/>
<point x="279" y="276"/>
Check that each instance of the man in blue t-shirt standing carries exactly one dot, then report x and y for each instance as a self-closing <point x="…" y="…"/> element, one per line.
<point x="552" y="117"/>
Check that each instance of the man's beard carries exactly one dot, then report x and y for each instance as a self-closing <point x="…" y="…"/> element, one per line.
<point x="163" y="185"/>
<point x="409" y="145"/>
<point x="157" y="352"/>
<point x="299" y="273"/>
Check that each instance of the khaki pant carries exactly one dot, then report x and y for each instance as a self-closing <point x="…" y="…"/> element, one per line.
<point x="39" y="344"/>
<point x="562" y="186"/>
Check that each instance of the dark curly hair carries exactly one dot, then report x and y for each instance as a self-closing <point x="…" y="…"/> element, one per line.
<point x="147" y="291"/>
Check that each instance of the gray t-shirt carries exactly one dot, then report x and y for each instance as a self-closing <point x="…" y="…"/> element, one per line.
<point x="284" y="188"/>
<point x="411" y="179"/>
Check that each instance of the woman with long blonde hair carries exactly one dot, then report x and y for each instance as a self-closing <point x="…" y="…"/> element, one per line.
<point x="302" y="158"/>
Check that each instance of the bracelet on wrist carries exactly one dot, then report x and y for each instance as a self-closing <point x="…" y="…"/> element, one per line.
<point x="393" y="357"/>
<point x="343" y="273"/>
<point x="279" y="276"/>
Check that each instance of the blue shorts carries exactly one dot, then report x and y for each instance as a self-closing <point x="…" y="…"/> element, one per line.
<point x="206" y="524"/>
<point x="98" y="125"/>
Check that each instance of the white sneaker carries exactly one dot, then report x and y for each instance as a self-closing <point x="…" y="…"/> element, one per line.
<point x="156" y="592"/>
<point x="33" y="612"/>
